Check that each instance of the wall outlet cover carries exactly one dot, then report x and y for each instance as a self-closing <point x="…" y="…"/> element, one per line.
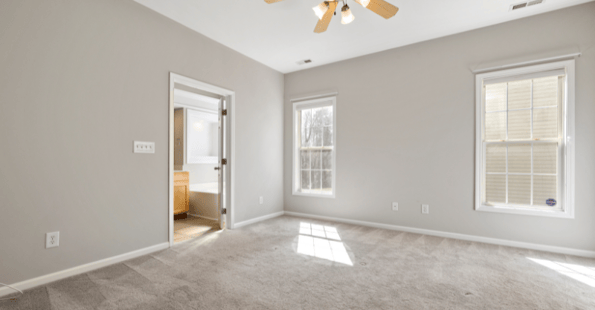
<point x="261" y="200"/>
<point x="395" y="206"/>
<point x="52" y="239"/>
<point x="425" y="209"/>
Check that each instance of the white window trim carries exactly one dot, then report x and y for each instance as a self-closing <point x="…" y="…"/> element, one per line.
<point x="568" y="145"/>
<point x="313" y="103"/>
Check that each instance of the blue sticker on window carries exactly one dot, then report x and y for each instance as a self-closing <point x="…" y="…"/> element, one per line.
<point x="551" y="202"/>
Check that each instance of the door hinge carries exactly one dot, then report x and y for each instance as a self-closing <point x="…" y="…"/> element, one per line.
<point x="224" y="161"/>
<point x="224" y="112"/>
<point x="224" y="211"/>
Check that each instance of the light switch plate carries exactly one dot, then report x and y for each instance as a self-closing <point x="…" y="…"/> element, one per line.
<point x="144" y="147"/>
<point x="52" y="239"/>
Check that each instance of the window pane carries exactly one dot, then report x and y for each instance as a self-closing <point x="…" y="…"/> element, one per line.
<point x="519" y="158"/>
<point x="315" y="159"/>
<point x="519" y="95"/>
<point x="495" y="126"/>
<point x="305" y="179"/>
<point x="496" y="97"/>
<point x="306" y="127"/>
<point x="495" y="188"/>
<point x="519" y="124"/>
<point x="496" y="158"/>
<point x="545" y="123"/>
<point x="327" y="160"/>
<point x="327" y="133"/>
<point x="305" y="159"/>
<point x="316" y="178"/>
<point x="545" y="157"/>
<point x="544" y="188"/>
<point x="317" y="134"/>
<point x="545" y="92"/>
<point x="519" y="189"/>
<point x="327" y="180"/>
<point x="327" y="116"/>
<point x="317" y="117"/>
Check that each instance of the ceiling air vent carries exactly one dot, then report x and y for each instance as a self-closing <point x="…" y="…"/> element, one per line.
<point x="519" y="6"/>
<point x="302" y="62"/>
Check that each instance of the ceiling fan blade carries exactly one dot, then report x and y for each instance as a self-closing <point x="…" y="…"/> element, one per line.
<point x="272" y="1"/>
<point x="380" y="7"/>
<point x="322" y="24"/>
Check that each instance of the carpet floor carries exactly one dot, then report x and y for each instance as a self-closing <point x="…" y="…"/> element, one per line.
<point x="295" y="263"/>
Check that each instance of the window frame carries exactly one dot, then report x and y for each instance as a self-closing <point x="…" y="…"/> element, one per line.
<point x="330" y="101"/>
<point x="566" y="189"/>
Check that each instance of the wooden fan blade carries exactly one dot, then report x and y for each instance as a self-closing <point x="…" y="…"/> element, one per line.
<point x="272" y="1"/>
<point x="322" y="24"/>
<point x="381" y="8"/>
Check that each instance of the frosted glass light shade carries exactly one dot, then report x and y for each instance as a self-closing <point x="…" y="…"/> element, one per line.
<point x="320" y="9"/>
<point x="346" y="16"/>
<point x="364" y="2"/>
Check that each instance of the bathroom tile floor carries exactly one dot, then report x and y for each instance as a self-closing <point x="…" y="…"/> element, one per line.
<point x="193" y="227"/>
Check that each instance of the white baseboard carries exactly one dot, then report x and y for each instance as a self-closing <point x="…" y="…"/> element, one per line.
<point x="204" y="217"/>
<point x="27" y="284"/>
<point x="258" y="219"/>
<point x="516" y="244"/>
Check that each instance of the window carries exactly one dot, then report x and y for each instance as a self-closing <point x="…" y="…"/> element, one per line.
<point x="525" y="127"/>
<point x="314" y="147"/>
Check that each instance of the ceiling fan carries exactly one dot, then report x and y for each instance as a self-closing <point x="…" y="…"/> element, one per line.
<point x="326" y="10"/>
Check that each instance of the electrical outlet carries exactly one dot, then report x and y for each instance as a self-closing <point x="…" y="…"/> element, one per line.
<point x="52" y="239"/>
<point x="425" y="209"/>
<point x="261" y="200"/>
<point x="395" y="206"/>
<point x="144" y="147"/>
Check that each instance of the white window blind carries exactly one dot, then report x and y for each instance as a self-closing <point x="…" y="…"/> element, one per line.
<point x="522" y="141"/>
<point x="314" y="139"/>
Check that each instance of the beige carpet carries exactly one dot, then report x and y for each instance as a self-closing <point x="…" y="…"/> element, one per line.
<point x="293" y="263"/>
<point x="192" y="227"/>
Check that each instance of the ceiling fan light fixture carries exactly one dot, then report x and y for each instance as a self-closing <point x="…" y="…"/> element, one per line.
<point x="346" y="15"/>
<point x="320" y="9"/>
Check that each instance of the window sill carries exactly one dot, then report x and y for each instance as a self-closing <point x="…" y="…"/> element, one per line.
<point x="314" y="195"/>
<point x="524" y="211"/>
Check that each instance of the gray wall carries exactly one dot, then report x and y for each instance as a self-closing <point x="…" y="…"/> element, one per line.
<point x="79" y="81"/>
<point x="405" y="130"/>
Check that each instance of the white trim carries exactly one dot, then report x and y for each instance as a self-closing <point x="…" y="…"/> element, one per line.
<point x="259" y="219"/>
<point x="566" y="188"/>
<point x="320" y="101"/>
<point x="530" y="62"/>
<point x="443" y="234"/>
<point x="52" y="277"/>
<point x="230" y="170"/>
<point x="318" y="96"/>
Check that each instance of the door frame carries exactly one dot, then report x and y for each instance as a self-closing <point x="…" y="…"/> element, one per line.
<point x="229" y="189"/>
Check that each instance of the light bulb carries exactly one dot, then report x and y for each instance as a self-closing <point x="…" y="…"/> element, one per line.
<point x="364" y="3"/>
<point x="320" y="9"/>
<point x="347" y="17"/>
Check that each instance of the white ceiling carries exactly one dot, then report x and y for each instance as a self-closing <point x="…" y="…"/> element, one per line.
<point x="281" y="34"/>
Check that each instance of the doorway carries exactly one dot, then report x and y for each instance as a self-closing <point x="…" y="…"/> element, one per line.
<point x="200" y="162"/>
